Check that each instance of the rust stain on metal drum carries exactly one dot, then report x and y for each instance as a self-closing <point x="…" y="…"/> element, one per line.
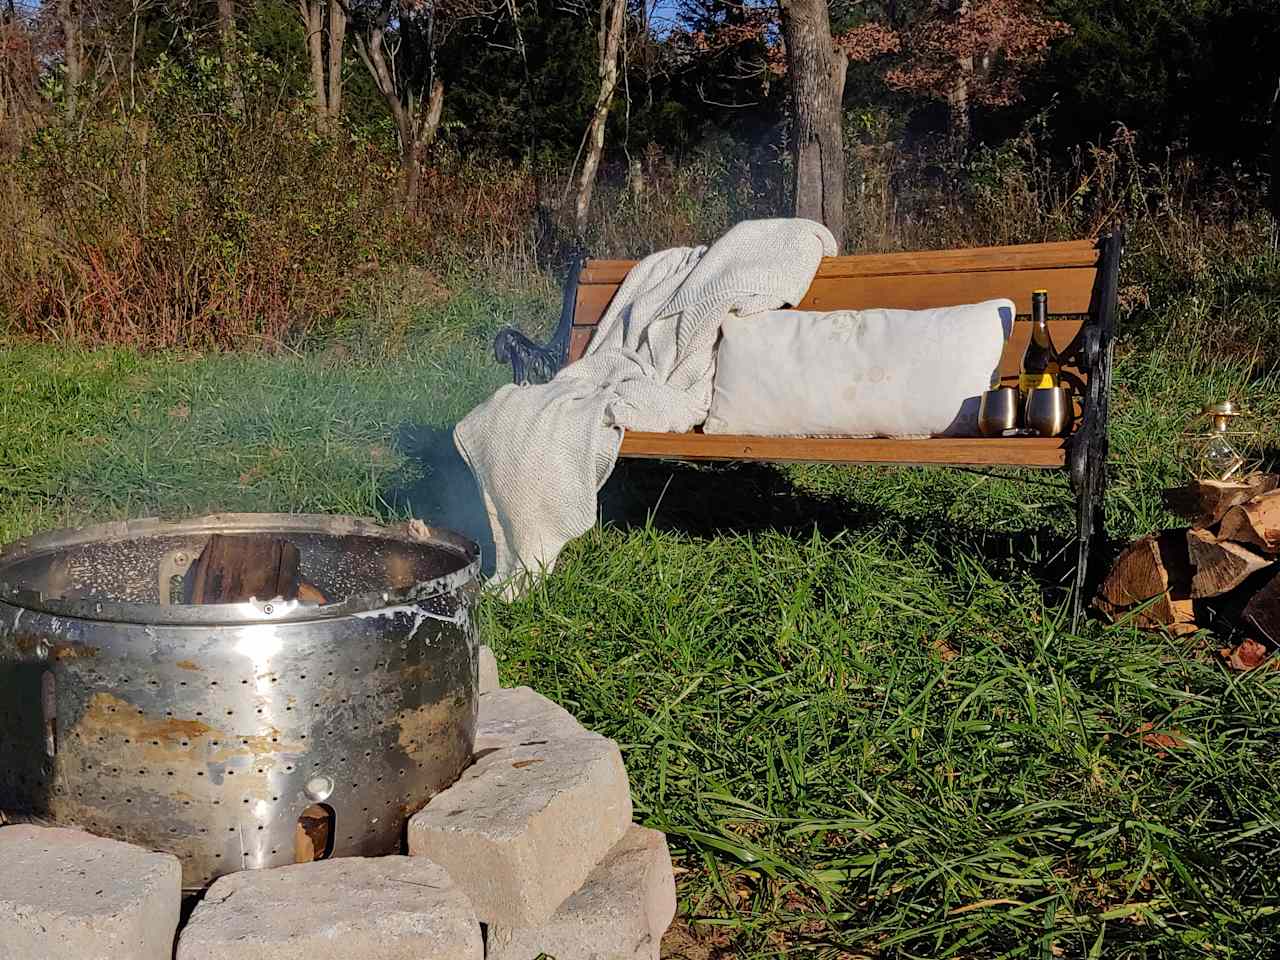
<point x="109" y="716"/>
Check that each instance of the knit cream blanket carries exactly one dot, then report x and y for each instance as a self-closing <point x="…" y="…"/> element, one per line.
<point x="540" y="453"/>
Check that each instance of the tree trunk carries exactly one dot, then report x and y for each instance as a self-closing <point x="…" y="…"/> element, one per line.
<point x="227" y="35"/>
<point x="611" y="12"/>
<point x="419" y="132"/>
<point x="337" y="35"/>
<point x="410" y="170"/>
<point x="815" y="78"/>
<point x="69" y="20"/>
<point x="312" y="12"/>
<point x="1274" y="192"/>
<point x="958" y="109"/>
<point x="414" y="128"/>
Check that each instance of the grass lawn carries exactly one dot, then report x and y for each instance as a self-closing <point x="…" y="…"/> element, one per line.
<point x="848" y="696"/>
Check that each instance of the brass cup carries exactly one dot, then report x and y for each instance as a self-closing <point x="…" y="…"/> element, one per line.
<point x="1049" y="411"/>
<point x="998" y="411"/>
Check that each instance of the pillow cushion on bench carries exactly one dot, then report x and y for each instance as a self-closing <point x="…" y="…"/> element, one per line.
<point x="857" y="373"/>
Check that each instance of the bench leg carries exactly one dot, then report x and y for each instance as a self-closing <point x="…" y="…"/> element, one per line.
<point x="1088" y="454"/>
<point x="1091" y="538"/>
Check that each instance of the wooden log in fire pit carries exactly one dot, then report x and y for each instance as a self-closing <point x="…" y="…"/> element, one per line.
<point x="234" y="569"/>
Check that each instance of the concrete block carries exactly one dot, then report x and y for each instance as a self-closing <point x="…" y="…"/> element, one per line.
<point x="65" y="893"/>
<point x="510" y="718"/>
<point x="524" y="826"/>
<point x="374" y="908"/>
<point x="488" y="670"/>
<point x="620" y="913"/>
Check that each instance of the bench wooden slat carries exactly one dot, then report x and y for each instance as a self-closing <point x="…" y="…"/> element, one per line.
<point x="1029" y="256"/>
<point x="1063" y="332"/>
<point x="1070" y="290"/>
<point x="1034" y="452"/>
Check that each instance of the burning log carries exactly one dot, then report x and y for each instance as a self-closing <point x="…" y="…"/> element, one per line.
<point x="233" y="569"/>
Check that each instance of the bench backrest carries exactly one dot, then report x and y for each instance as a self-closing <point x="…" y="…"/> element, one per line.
<point x="1070" y="271"/>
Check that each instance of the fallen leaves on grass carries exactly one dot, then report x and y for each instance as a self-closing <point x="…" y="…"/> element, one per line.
<point x="1160" y="740"/>
<point x="946" y="653"/>
<point x="180" y="412"/>
<point x="1246" y="656"/>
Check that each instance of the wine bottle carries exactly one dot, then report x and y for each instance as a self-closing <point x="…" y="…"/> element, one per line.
<point x="1040" y="364"/>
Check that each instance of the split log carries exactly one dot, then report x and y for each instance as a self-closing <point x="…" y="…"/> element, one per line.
<point x="233" y="569"/>
<point x="1256" y="522"/>
<point x="1220" y="566"/>
<point x="1262" y="612"/>
<point x="1204" y="502"/>
<point x="1152" y="570"/>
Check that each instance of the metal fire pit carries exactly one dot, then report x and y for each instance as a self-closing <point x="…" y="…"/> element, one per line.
<point x="206" y="731"/>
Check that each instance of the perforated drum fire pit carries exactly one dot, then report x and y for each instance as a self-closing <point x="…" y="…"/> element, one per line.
<point x="206" y="731"/>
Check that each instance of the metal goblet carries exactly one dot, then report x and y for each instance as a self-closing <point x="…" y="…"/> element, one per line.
<point x="1049" y="411"/>
<point x="998" y="411"/>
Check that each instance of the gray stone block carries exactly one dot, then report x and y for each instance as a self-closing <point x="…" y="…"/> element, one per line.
<point x="68" y="894"/>
<point x="488" y="670"/>
<point x="510" y="718"/>
<point x="524" y="826"/>
<point x="620" y="913"/>
<point x="374" y="908"/>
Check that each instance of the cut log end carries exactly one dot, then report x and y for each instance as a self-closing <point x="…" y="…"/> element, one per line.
<point x="1204" y="502"/>
<point x="1151" y="583"/>
<point x="1220" y="565"/>
<point x="1255" y="522"/>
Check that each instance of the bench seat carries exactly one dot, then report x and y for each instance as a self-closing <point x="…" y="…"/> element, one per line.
<point x="1032" y="452"/>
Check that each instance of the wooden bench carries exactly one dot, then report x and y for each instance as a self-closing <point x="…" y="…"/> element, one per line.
<point x="1081" y="278"/>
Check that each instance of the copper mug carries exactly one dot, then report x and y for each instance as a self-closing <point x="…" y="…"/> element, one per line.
<point x="1049" y="411"/>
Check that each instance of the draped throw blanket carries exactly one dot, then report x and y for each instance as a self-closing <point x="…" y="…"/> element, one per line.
<point x="540" y="453"/>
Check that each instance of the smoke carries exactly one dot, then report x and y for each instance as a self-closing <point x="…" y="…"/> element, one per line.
<point x="445" y="494"/>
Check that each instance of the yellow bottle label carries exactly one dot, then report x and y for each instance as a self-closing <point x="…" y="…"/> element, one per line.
<point x="1037" y="381"/>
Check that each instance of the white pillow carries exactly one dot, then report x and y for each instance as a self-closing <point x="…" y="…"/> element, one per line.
<point x="857" y="373"/>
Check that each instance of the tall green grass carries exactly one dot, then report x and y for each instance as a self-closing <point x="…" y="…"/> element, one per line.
<point x="850" y="697"/>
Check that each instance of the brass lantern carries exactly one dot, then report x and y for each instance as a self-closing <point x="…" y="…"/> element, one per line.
<point x="1216" y="445"/>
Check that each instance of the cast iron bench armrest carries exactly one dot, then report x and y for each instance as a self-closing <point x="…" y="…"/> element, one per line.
<point x="533" y="362"/>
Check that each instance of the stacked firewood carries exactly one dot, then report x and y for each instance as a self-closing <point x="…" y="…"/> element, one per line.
<point x="1222" y="565"/>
